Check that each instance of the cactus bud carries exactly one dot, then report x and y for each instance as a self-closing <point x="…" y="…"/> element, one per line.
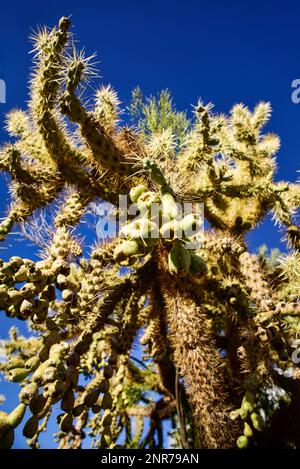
<point x="31" y="427"/>
<point x="16" y="416"/>
<point x="136" y="191"/>
<point x="242" y="442"/>
<point x="179" y="258"/>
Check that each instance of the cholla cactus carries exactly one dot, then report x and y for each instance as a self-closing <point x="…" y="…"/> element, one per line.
<point x="216" y="325"/>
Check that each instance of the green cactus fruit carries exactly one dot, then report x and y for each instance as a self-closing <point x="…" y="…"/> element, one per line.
<point x="60" y="266"/>
<point x="4" y="424"/>
<point x="106" y="419"/>
<point x="34" y="275"/>
<point x="7" y="440"/>
<point x="248" y="430"/>
<point x="242" y="442"/>
<point x="143" y="231"/>
<point x="136" y="191"/>
<point x="72" y="375"/>
<point x="198" y="265"/>
<point x="61" y="281"/>
<point x="146" y="200"/>
<point x="26" y="309"/>
<point x="29" y="393"/>
<point x="32" y="363"/>
<point x="106" y="402"/>
<point x="53" y="339"/>
<point x="96" y="408"/>
<point x="15" y="297"/>
<point x="15" y="362"/>
<point x="169" y="207"/>
<point x="37" y="405"/>
<point x="66" y="423"/>
<point x="48" y="293"/>
<point x="77" y="410"/>
<point x="108" y="371"/>
<point x="4" y="296"/>
<point x="21" y="275"/>
<point x="15" y="262"/>
<point x="18" y="374"/>
<point x="31" y="427"/>
<point x="91" y="398"/>
<point x="104" y="386"/>
<point x="51" y="374"/>
<point x="7" y="269"/>
<point x="125" y="251"/>
<point x="247" y="406"/>
<point x="243" y="413"/>
<point x="234" y="414"/>
<point x="38" y="375"/>
<point x="29" y="290"/>
<point x="179" y="258"/>
<point x="54" y="390"/>
<point x="67" y="403"/>
<point x="16" y="416"/>
<point x="171" y="230"/>
<point x="189" y="225"/>
<point x="257" y="422"/>
<point x="67" y="295"/>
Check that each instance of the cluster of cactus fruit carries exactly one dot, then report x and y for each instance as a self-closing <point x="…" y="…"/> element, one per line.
<point x="216" y="325"/>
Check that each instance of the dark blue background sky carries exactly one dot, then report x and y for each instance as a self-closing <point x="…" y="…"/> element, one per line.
<point x="222" y="51"/>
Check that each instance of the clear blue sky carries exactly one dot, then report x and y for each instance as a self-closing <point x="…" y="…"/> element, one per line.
<point x="222" y="51"/>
